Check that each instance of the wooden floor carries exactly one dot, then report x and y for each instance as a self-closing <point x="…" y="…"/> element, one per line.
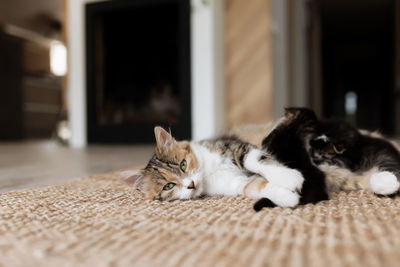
<point x="26" y="164"/>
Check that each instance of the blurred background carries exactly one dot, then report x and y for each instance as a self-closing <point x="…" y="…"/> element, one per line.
<point x="83" y="80"/>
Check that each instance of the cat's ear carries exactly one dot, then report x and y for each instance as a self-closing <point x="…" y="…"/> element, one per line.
<point x="132" y="178"/>
<point x="163" y="138"/>
<point x="304" y="113"/>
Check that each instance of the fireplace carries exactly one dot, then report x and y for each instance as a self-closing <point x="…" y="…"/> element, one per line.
<point x="137" y="69"/>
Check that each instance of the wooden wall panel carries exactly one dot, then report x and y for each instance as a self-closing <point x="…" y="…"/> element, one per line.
<point x="248" y="70"/>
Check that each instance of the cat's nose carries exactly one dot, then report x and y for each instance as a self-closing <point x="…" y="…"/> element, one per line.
<point x="191" y="186"/>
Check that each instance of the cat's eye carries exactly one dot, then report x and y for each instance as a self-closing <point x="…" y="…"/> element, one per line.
<point x="168" y="186"/>
<point x="183" y="165"/>
<point x="339" y="149"/>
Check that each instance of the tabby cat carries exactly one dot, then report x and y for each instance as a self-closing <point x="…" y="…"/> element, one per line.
<point x="224" y="166"/>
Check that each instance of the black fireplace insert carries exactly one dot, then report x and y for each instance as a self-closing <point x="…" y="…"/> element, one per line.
<point x="137" y="69"/>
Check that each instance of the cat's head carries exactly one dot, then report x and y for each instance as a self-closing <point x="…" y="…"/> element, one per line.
<point x="331" y="138"/>
<point x="172" y="172"/>
<point x="297" y="123"/>
<point x="302" y="119"/>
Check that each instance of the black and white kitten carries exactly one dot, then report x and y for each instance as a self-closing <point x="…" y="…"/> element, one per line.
<point x="337" y="143"/>
<point x="286" y="142"/>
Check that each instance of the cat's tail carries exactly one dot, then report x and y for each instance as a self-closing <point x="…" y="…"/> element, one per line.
<point x="263" y="203"/>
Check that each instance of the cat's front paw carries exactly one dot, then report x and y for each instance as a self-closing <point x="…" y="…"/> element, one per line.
<point x="384" y="183"/>
<point x="282" y="197"/>
<point x="290" y="179"/>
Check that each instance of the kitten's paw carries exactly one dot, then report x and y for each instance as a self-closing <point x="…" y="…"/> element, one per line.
<point x="384" y="183"/>
<point x="282" y="197"/>
<point x="290" y="179"/>
<point x="285" y="177"/>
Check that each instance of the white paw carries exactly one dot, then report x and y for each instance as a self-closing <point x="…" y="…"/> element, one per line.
<point x="384" y="183"/>
<point x="290" y="179"/>
<point x="282" y="197"/>
<point x="277" y="174"/>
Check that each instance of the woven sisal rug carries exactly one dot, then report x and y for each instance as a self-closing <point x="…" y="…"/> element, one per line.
<point x="99" y="221"/>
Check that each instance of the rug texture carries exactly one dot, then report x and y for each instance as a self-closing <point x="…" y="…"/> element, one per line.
<point x="99" y="221"/>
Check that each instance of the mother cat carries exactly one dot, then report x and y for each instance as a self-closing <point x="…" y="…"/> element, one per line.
<point x="224" y="166"/>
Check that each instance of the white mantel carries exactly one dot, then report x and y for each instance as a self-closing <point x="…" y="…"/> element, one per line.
<point x="207" y="69"/>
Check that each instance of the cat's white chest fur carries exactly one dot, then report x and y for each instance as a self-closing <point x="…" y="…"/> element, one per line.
<point x="219" y="176"/>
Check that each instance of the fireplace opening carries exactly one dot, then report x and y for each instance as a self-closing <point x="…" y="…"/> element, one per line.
<point x="138" y="69"/>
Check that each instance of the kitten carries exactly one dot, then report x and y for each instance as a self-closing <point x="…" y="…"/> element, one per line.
<point x="224" y="166"/>
<point x="337" y="143"/>
<point x="287" y="143"/>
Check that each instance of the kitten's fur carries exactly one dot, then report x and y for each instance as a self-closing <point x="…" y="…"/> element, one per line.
<point x="224" y="166"/>
<point x="337" y="143"/>
<point x="287" y="143"/>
